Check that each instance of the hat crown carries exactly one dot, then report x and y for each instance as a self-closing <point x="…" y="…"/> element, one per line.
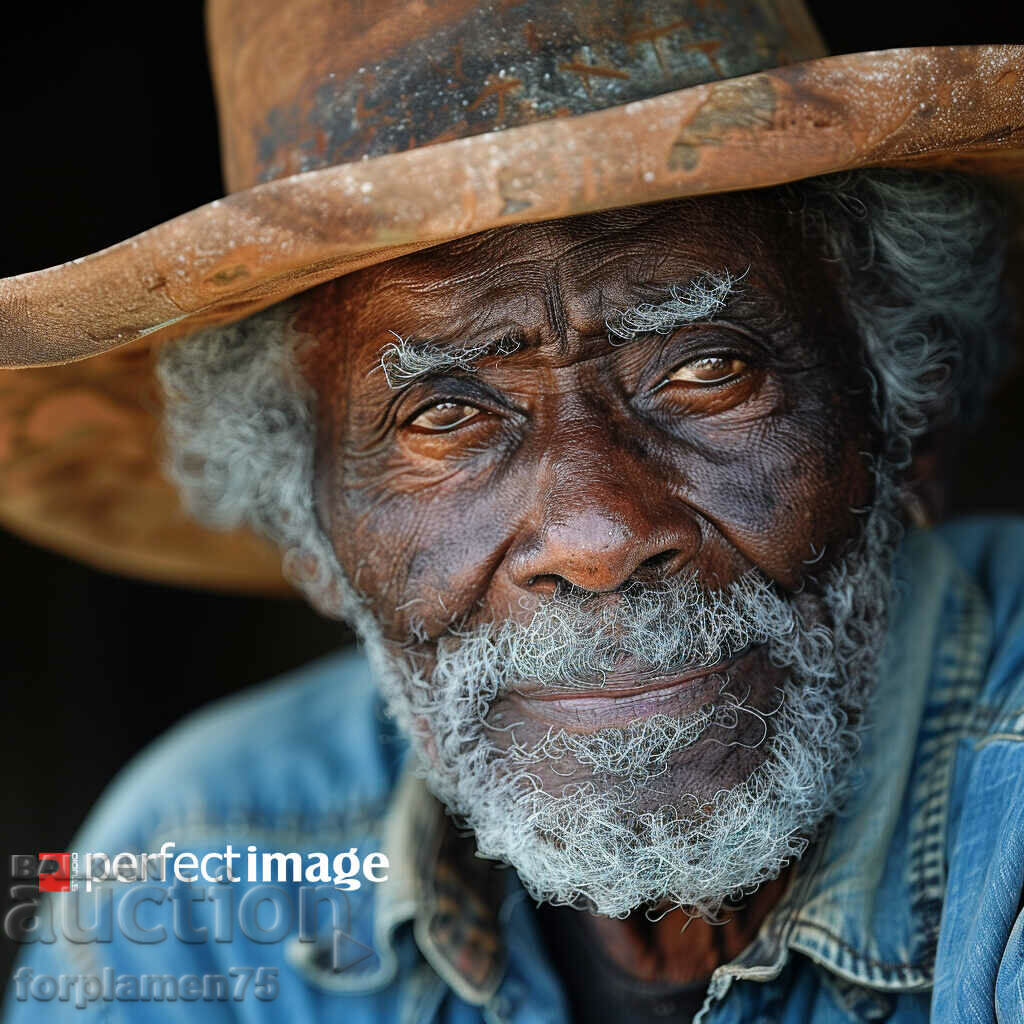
<point x="315" y="83"/>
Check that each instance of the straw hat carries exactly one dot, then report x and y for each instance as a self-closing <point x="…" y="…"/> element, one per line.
<point x="354" y="133"/>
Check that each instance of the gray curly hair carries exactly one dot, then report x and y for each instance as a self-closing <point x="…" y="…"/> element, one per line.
<point x="921" y="258"/>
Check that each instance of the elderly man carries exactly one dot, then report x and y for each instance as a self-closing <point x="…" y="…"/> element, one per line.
<point x="627" y="510"/>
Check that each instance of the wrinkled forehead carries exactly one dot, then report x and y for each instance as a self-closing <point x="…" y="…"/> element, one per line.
<point x="565" y="276"/>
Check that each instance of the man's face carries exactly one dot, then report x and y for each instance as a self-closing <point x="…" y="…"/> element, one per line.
<point x="516" y="465"/>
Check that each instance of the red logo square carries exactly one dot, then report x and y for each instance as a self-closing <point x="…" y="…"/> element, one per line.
<point x="55" y="872"/>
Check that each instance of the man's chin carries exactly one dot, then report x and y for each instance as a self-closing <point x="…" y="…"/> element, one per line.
<point x="615" y="848"/>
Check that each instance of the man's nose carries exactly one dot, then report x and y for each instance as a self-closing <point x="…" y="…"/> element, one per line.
<point x="604" y="534"/>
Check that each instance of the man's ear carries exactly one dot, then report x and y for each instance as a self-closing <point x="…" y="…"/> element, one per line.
<point x="927" y="480"/>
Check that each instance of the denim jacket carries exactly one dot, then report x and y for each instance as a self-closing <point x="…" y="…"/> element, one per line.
<point x="906" y="910"/>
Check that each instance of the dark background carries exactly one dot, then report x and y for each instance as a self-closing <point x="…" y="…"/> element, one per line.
<point x="108" y="128"/>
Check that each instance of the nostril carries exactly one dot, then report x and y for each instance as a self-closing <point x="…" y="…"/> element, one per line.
<point x="546" y="583"/>
<point x="657" y="565"/>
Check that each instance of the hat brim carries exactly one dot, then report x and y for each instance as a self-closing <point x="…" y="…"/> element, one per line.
<point x="79" y="451"/>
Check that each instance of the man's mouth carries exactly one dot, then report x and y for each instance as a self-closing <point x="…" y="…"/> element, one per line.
<point x="625" y="697"/>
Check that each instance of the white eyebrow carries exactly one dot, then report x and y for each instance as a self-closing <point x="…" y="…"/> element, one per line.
<point x="405" y="360"/>
<point x="704" y="296"/>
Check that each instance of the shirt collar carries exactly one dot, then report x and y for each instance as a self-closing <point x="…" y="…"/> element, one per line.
<point x="865" y="902"/>
<point x="453" y="897"/>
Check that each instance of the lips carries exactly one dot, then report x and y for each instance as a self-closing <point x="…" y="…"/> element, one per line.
<point x="625" y="690"/>
<point x="625" y="697"/>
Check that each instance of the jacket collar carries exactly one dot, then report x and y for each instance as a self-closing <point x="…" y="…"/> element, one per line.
<point x="453" y="896"/>
<point x="866" y="903"/>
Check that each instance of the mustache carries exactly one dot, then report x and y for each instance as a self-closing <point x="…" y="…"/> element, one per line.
<point x="577" y="639"/>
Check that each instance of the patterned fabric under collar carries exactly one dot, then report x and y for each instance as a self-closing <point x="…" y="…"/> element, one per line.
<point x="455" y="896"/>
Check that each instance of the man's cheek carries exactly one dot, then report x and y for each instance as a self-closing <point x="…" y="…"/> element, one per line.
<point x="784" y="509"/>
<point x="443" y="580"/>
<point x="449" y="568"/>
<point x="421" y="575"/>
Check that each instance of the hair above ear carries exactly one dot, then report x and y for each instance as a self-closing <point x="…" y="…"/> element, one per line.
<point x="922" y="258"/>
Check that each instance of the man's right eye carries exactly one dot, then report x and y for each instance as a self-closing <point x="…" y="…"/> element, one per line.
<point x="444" y="416"/>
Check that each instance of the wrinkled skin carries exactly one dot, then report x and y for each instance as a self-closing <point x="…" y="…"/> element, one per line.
<point x="576" y="460"/>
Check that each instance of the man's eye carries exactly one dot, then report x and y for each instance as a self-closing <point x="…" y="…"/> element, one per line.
<point x="708" y="370"/>
<point x="436" y="419"/>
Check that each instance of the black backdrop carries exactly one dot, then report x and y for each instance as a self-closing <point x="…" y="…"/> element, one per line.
<point x="108" y="128"/>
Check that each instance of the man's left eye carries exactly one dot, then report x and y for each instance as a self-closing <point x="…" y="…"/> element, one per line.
<point x="443" y="416"/>
<point x="708" y="370"/>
